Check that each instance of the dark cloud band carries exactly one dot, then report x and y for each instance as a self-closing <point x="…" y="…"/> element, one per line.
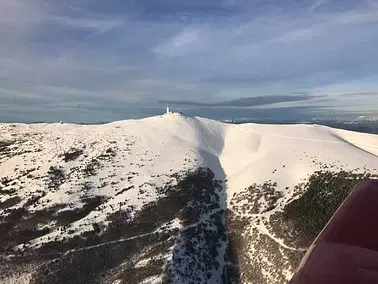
<point x="244" y="102"/>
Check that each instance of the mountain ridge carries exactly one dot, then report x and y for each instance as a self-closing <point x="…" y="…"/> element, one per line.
<point x="72" y="180"/>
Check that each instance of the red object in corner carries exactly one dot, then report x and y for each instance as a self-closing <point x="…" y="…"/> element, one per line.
<point x="346" y="251"/>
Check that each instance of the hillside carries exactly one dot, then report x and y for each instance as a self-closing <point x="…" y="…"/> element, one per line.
<point x="169" y="199"/>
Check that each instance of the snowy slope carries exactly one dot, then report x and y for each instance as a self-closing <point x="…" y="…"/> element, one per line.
<point x="125" y="161"/>
<point x="252" y="152"/>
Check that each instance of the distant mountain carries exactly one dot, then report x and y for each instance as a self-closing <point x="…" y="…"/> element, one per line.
<point x="170" y="199"/>
<point x="361" y="124"/>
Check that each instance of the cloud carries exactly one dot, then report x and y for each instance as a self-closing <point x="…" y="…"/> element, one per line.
<point x="280" y="49"/>
<point x="85" y="23"/>
<point x="188" y="40"/>
<point x="316" y="5"/>
<point x="184" y="11"/>
<point x="368" y="94"/>
<point x="244" y="102"/>
<point x="58" y="52"/>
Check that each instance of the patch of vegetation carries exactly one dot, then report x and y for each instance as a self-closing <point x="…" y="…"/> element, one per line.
<point x="256" y="253"/>
<point x="67" y="217"/>
<point x="10" y="202"/>
<point x="239" y="246"/>
<point x="124" y="190"/>
<point x="94" y="164"/>
<point x="196" y="254"/>
<point x="34" y="199"/>
<point x="5" y="181"/>
<point x="194" y="199"/>
<point x="253" y="252"/>
<point x="20" y="226"/>
<point x="91" y="168"/>
<point x="297" y="225"/>
<point x="303" y="219"/>
<point x="72" y="154"/>
<point x="257" y="198"/>
<point x="56" y="177"/>
<point x="108" y="155"/>
<point x="11" y="148"/>
<point x="4" y="145"/>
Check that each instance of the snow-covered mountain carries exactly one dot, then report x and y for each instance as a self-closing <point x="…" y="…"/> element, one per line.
<point x="167" y="199"/>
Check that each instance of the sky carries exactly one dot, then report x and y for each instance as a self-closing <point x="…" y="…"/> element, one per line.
<point x="94" y="60"/>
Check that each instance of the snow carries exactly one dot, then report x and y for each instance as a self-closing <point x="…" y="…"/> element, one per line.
<point x="141" y="263"/>
<point x="157" y="279"/>
<point x="252" y="152"/>
<point x="154" y="148"/>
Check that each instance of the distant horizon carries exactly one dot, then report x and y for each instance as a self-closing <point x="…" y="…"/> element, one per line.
<point x="258" y="115"/>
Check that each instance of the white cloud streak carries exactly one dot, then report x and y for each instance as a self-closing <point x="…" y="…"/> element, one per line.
<point x="316" y="5"/>
<point x="83" y="23"/>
